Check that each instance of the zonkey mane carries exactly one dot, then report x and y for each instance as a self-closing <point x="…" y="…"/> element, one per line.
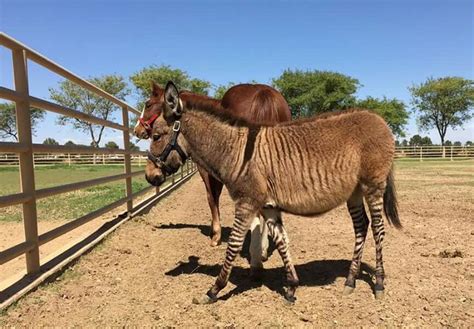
<point x="213" y="108"/>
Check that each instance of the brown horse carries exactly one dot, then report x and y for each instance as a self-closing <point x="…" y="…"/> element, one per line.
<point x="305" y="167"/>
<point x="255" y="103"/>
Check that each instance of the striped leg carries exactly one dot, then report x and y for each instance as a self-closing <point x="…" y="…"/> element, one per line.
<point x="375" y="203"/>
<point x="361" y="222"/>
<point x="243" y="216"/>
<point x="280" y="237"/>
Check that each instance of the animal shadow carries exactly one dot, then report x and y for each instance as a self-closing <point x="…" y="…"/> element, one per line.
<point x="225" y="233"/>
<point x="314" y="273"/>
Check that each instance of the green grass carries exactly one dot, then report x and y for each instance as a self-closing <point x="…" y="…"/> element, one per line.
<point x="73" y="204"/>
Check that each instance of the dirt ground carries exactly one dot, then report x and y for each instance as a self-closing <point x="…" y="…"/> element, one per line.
<point x="149" y="270"/>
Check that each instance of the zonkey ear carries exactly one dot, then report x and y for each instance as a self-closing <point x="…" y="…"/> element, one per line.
<point x="173" y="105"/>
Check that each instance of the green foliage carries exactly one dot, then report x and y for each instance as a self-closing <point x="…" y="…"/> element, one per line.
<point x="404" y="142"/>
<point x="469" y="143"/>
<point x="50" y="141"/>
<point x="313" y="92"/>
<point x="75" y="97"/>
<point x="392" y="110"/>
<point x="134" y="148"/>
<point x="161" y="75"/>
<point x="69" y="143"/>
<point x="442" y="103"/>
<point x="417" y="140"/>
<point x="220" y="90"/>
<point x="457" y="143"/>
<point x="448" y="143"/>
<point x="111" y="145"/>
<point x="8" y="120"/>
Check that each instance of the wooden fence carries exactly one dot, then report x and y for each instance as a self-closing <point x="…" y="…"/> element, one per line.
<point x="26" y="150"/>
<point x="434" y="152"/>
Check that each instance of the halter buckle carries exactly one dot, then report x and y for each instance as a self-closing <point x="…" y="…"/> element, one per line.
<point x="176" y="126"/>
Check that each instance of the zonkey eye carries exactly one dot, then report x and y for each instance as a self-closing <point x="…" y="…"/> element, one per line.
<point x="156" y="137"/>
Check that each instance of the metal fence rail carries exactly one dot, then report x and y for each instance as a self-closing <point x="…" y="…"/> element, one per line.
<point x="27" y="155"/>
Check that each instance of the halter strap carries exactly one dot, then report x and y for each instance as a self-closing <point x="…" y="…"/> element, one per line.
<point x="172" y="145"/>
<point x="147" y="124"/>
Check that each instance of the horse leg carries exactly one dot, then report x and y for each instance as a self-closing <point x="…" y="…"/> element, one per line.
<point x="280" y="237"/>
<point x="244" y="213"/>
<point x="355" y="204"/>
<point x="213" y="189"/>
<point x="374" y="199"/>
<point x="216" y="190"/>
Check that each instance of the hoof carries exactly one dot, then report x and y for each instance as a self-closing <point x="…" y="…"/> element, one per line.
<point x="347" y="290"/>
<point x="379" y="294"/>
<point x="256" y="273"/>
<point x="203" y="300"/>
<point x="290" y="300"/>
<point x="215" y="243"/>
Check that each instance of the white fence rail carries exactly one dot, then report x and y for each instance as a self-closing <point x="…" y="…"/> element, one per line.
<point x="434" y="152"/>
<point x="69" y="159"/>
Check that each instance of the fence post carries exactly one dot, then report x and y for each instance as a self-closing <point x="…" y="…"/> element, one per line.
<point x="451" y="153"/>
<point x="421" y="153"/>
<point x="27" y="172"/>
<point x="127" y="157"/>
<point x="69" y="159"/>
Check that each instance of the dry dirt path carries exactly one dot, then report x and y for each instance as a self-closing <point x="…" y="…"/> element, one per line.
<point x="149" y="270"/>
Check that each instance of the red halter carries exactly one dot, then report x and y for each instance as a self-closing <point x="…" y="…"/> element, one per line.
<point x="147" y="124"/>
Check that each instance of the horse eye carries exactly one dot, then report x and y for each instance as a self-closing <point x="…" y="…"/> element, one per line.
<point x="147" y="105"/>
<point x="156" y="137"/>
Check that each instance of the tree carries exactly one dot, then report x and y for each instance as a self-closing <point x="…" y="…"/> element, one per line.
<point x="69" y="143"/>
<point x="75" y="97"/>
<point x="404" y="142"/>
<point x="448" y="143"/>
<point x="416" y="140"/>
<point x="161" y="75"/>
<point x="50" y="141"/>
<point x="397" y="143"/>
<point x="111" y="145"/>
<point x="457" y="143"/>
<point x="392" y="110"/>
<point x="134" y="148"/>
<point x="426" y="141"/>
<point x="8" y="120"/>
<point x="313" y="92"/>
<point x="442" y="103"/>
<point x="468" y="143"/>
<point x="220" y="90"/>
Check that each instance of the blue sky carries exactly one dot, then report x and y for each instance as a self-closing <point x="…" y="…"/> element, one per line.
<point x="387" y="45"/>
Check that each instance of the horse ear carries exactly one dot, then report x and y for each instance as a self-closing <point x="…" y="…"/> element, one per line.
<point x="173" y="105"/>
<point x="156" y="90"/>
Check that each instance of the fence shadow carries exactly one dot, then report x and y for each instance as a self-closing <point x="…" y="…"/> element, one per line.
<point x="313" y="273"/>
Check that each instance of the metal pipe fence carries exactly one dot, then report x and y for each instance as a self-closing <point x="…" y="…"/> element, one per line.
<point x="27" y="155"/>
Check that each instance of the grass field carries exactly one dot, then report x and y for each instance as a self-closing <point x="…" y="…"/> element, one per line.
<point x="73" y="204"/>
